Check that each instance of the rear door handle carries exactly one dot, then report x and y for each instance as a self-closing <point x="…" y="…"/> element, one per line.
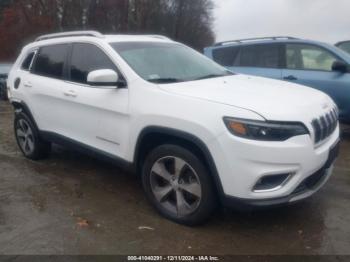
<point x="290" y="78"/>
<point x="28" y="84"/>
<point x="70" y="93"/>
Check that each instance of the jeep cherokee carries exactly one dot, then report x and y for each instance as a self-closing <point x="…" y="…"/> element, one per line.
<point x="198" y="135"/>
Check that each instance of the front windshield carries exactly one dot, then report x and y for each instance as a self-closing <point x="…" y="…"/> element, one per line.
<point x="167" y="62"/>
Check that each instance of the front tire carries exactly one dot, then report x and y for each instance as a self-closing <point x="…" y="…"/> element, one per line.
<point x="178" y="185"/>
<point x="28" y="138"/>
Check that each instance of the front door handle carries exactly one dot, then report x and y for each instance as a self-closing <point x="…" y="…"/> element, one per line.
<point x="290" y="78"/>
<point x="70" y="93"/>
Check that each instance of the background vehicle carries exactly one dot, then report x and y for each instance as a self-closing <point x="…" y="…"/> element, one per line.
<point x="197" y="134"/>
<point x="314" y="64"/>
<point x="4" y="70"/>
<point x="344" y="45"/>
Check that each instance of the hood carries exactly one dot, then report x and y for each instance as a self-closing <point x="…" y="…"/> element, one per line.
<point x="272" y="99"/>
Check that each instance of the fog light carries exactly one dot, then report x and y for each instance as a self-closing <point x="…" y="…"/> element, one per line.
<point x="272" y="182"/>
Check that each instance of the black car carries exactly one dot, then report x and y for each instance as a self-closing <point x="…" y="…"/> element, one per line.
<point x="4" y="70"/>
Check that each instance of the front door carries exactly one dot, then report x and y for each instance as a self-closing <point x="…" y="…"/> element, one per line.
<point x="97" y="116"/>
<point x="311" y="65"/>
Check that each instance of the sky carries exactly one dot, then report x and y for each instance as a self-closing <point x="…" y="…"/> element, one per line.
<point x="322" y="20"/>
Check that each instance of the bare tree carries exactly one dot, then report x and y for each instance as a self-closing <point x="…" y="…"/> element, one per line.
<point x="188" y="21"/>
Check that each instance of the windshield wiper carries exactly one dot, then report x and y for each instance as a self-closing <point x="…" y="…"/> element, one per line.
<point x="213" y="76"/>
<point x="165" y="80"/>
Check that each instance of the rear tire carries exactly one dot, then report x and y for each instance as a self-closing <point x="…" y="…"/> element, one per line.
<point x="28" y="139"/>
<point x="178" y="185"/>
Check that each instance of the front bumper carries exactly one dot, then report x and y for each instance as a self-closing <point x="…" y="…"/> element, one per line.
<point x="305" y="189"/>
<point x="242" y="163"/>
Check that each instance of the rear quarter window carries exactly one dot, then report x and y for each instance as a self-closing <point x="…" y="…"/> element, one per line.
<point x="27" y="61"/>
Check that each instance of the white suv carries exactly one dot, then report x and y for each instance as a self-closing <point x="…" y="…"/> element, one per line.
<point x="198" y="135"/>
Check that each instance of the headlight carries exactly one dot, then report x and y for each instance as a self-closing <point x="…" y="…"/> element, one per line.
<point x="264" y="130"/>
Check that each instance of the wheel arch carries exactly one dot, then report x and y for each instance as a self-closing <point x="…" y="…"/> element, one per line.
<point x="153" y="136"/>
<point x="21" y="106"/>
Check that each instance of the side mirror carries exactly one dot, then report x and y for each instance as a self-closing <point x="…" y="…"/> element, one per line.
<point x="340" y="66"/>
<point x="103" y="77"/>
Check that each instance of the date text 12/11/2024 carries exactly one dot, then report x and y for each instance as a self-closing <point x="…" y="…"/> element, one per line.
<point x="173" y="258"/>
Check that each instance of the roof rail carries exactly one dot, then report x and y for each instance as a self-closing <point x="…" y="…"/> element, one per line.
<point x="159" y="36"/>
<point x="255" y="39"/>
<point x="69" y="34"/>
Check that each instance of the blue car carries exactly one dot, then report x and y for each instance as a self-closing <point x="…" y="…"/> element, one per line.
<point x="344" y="45"/>
<point x="315" y="64"/>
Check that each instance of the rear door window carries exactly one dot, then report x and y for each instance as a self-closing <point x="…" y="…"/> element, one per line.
<point x="226" y="56"/>
<point x="50" y="61"/>
<point x="86" y="58"/>
<point x="265" y="55"/>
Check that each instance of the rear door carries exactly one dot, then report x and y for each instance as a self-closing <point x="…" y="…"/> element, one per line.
<point x="44" y="86"/>
<point x="253" y="59"/>
<point x="311" y="65"/>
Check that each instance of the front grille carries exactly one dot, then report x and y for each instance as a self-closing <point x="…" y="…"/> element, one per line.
<point x="325" y="125"/>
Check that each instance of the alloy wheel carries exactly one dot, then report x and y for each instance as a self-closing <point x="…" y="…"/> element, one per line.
<point x="25" y="137"/>
<point x="175" y="185"/>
